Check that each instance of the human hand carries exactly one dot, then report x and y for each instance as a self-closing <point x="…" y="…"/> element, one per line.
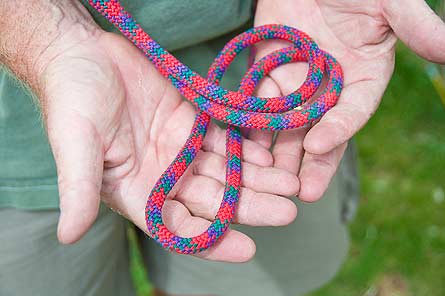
<point x="361" y="35"/>
<point x="114" y="124"/>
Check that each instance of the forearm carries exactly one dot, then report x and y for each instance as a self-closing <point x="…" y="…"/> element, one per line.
<point x="29" y="29"/>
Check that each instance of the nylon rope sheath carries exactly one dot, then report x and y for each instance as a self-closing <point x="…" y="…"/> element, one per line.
<point x="236" y="108"/>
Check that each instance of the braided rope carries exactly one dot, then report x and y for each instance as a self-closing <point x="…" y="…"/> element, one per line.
<point x="236" y="108"/>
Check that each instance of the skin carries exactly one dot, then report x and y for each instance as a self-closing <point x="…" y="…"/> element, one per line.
<point x="114" y="124"/>
<point x="362" y="36"/>
<point x="127" y="123"/>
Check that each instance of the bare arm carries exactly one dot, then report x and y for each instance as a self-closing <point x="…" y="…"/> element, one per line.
<point x="29" y="29"/>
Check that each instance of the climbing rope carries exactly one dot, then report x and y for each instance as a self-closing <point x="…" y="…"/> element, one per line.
<point x="236" y="108"/>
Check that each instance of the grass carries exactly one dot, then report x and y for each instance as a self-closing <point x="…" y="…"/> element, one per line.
<point x="398" y="235"/>
<point x="137" y="268"/>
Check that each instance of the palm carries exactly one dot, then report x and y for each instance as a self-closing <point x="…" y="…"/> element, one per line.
<point x="361" y="35"/>
<point x="358" y="34"/>
<point x="126" y="123"/>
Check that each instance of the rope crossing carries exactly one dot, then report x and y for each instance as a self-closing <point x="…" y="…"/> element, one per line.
<point x="236" y="108"/>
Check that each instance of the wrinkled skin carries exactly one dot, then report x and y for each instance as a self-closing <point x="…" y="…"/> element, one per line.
<point x="115" y="123"/>
<point x="362" y="36"/>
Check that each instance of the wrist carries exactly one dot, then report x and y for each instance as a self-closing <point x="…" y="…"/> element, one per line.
<point x="33" y="33"/>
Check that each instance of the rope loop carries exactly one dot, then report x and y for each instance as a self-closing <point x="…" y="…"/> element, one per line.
<point x="236" y="108"/>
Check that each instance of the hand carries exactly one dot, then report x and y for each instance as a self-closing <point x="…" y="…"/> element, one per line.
<point x="361" y="35"/>
<point x="114" y="124"/>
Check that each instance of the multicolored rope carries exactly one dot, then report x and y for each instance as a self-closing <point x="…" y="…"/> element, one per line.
<point x="236" y="108"/>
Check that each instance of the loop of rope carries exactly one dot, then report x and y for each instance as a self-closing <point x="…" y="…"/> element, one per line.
<point x="236" y="108"/>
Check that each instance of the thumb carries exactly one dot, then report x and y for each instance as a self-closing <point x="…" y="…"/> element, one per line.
<point x="416" y="24"/>
<point x="78" y="153"/>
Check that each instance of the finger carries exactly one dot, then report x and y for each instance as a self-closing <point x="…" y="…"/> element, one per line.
<point x="234" y="246"/>
<point x="263" y="138"/>
<point x="281" y="81"/>
<point x="416" y="24"/>
<point x="316" y="173"/>
<point x="286" y="78"/>
<point x="215" y="141"/>
<point x="288" y="150"/>
<point x="79" y="158"/>
<point x="257" y="178"/>
<point x="355" y="107"/>
<point x="202" y="196"/>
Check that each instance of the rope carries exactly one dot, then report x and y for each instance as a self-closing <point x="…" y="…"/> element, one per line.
<point x="236" y="108"/>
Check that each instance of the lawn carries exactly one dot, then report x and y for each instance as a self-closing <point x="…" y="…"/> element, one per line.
<point x="398" y="235"/>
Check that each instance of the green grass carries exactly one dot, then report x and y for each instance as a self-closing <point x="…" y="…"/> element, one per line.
<point x="137" y="268"/>
<point x="398" y="236"/>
